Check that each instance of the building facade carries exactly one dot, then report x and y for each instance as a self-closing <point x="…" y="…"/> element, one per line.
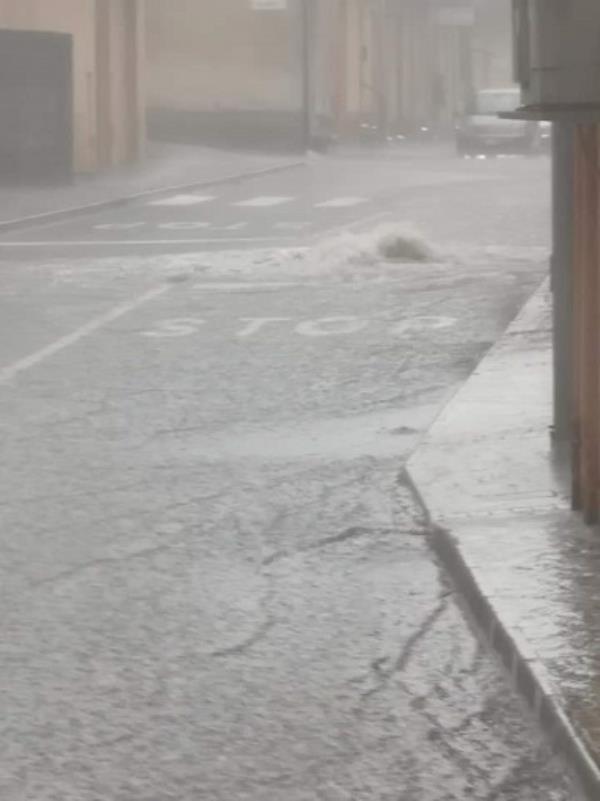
<point x="231" y="72"/>
<point x="71" y="84"/>
<point x="410" y="66"/>
<point x="493" y="65"/>
<point x="258" y="73"/>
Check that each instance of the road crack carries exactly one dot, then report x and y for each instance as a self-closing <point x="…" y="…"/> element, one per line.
<point x="411" y="645"/>
<point x="245" y="645"/>
<point x="106" y="561"/>
<point x="352" y="533"/>
<point x="402" y="661"/>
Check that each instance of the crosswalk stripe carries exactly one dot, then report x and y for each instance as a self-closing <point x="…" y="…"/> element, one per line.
<point x="264" y="201"/>
<point x="238" y="226"/>
<point x="119" y="226"/>
<point x="341" y="203"/>
<point x="292" y="226"/>
<point x="185" y="225"/>
<point x="182" y="200"/>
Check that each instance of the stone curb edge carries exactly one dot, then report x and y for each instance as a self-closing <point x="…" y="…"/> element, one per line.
<point x="526" y="672"/>
<point x="125" y="200"/>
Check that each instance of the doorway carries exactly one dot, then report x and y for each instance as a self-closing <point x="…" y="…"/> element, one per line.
<point x="36" y="106"/>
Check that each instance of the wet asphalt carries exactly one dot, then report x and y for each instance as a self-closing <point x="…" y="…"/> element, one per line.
<point x="216" y="579"/>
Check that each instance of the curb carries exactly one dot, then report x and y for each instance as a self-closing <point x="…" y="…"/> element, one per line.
<point x="526" y="673"/>
<point x="126" y="200"/>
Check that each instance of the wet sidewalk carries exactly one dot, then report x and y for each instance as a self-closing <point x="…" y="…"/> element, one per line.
<point x="165" y="166"/>
<point x="527" y="566"/>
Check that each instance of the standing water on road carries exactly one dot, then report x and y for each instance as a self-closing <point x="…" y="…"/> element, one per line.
<point x="217" y="581"/>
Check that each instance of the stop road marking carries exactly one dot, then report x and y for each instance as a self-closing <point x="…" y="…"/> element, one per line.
<point x="343" y="325"/>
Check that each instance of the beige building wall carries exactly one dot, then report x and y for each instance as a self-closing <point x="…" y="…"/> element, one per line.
<point x="326" y="67"/>
<point x="492" y="46"/>
<point x="118" y="66"/>
<point x="363" y="58"/>
<point x="122" y="71"/>
<point x="358" y="53"/>
<point x="413" y="58"/>
<point x="428" y="64"/>
<point x="222" y="55"/>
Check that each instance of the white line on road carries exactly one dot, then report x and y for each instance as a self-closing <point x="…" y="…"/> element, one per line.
<point x="182" y="200"/>
<point x="239" y="226"/>
<point x="240" y="286"/>
<point x="291" y="226"/>
<point x="264" y="201"/>
<point x="119" y="226"/>
<point x="121" y="242"/>
<point x="357" y="225"/>
<point x="341" y="203"/>
<point x="184" y="225"/>
<point x="8" y="373"/>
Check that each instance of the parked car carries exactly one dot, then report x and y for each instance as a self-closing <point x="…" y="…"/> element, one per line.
<point x="482" y="131"/>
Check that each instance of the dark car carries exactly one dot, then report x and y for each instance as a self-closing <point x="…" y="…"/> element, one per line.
<point x="482" y="131"/>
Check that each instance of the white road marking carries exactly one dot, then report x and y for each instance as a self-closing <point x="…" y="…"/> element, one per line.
<point x="194" y="225"/>
<point x="291" y="226"/>
<point x="331" y="326"/>
<point x="119" y="226"/>
<point x="177" y="327"/>
<point x="182" y="200"/>
<point x="357" y="225"/>
<point x="239" y="286"/>
<point x="343" y="325"/>
<point x="264" y="201"/>
<point x="10" y="372"/>
<point x="239" y="226"/>
<point x="122" y="242"/>
<point x="432" y="323"/>
<point x="184" y="225"/>
<point x="341" y="203"/>
<point x="256" y="324"/>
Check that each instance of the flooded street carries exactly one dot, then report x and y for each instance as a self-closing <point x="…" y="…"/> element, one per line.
<point x="221" y="586"/>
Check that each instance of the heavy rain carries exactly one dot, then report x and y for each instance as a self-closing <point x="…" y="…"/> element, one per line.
<point x="299" y="400"/>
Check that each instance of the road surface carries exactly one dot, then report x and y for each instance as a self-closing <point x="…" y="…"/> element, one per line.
<point x="216" y="581"/>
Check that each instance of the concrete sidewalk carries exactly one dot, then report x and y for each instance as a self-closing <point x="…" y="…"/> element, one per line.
<point x="528" y="568"/>
<point x="166" y="166"/>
